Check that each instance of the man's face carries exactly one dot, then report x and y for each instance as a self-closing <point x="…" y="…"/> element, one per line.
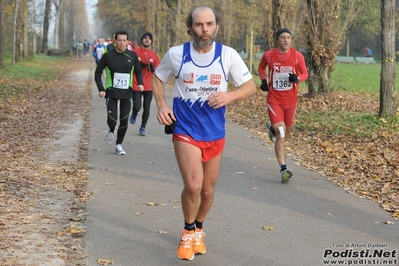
<point x="204" y="29"/>
<point x="101" y="41"/>
<point x="146" y="41"/>
<point x="284" y="41"/>
<point x="121" y="42"/>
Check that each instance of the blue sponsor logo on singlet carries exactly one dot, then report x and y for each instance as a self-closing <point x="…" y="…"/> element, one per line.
<point x="202" y="78"/>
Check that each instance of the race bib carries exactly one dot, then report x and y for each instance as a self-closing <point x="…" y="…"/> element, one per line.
<point x="121" y="81"/>
<point x="281" y="82"/>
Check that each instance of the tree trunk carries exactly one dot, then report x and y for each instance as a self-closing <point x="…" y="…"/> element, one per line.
<point x="174" y="23"/>
<point x="70" y="25"/>
<point x="312" y="79"/>
<point x="46" y="27"/>
<point x="2" y="35"/>
<point x="25" y="28"/>
<point x="323" y="75"/>
<point x="57" y="4"/>
<point x="15" y="33"/>
<point x="62" y="42"/>
<point x="277" y="15"/>
<point x="347" y="46"/>
<point x="388" y="67"/>
<point x="325" y="37"/>
<point x="162" y="30"/>
<point x="153" y="20"/>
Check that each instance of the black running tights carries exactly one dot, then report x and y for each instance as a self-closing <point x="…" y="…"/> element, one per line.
<point x="147" y="95"/>
<point x="125" y="106"/>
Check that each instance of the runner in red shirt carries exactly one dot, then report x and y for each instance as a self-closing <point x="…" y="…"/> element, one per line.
<point x="149" y="61"/>
<point x="286" y="67"/>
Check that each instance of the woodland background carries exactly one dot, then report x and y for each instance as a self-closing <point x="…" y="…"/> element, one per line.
<point x="325" y="28"/>
<point x="322" y="29"/>
<point x="240" y="19"/>
<point x="337" y="133"/>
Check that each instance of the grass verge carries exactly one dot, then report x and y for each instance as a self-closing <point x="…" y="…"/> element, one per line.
<point x="19" y="81"/>
<point x="29" y="73"/>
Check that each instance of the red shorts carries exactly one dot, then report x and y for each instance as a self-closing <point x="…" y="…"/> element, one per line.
<point x="209" y="149"/>
<point x="278" y="113"/>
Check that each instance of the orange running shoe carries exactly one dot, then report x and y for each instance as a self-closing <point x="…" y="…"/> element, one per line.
<point x="185" y="250"/>
<point x="199" y="244"/>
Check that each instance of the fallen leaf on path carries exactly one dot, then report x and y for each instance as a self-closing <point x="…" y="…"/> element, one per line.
<point x="105" y="262"/>
<point x="268" y="228"/>
<point x="74" y="231"/>
<point x="156" y="204"/>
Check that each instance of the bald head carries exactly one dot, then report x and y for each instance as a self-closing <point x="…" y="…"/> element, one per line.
<point x="203" y="25"/>
<point x="196" y="10"/>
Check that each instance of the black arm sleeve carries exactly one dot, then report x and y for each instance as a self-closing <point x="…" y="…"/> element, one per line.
<point x="98" y="73"/>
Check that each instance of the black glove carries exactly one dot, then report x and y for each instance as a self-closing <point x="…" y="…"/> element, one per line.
<point x="293" y="77"/>
<point x="151" y="67"/>
<point x="264" y="86"/>
<point x="143" y="65"/>
<point x="169" y="129"/>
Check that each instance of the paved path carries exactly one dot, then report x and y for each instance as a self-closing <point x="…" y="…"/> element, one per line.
<point x="310" y="215"/>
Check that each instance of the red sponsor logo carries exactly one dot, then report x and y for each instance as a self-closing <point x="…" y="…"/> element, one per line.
<point x="188" y="77"/>
<point x="215" y="79"/>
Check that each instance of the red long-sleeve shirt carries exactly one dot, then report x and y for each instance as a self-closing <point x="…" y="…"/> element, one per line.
<point x="292" y="58"/>
<point x="146" y="56"/>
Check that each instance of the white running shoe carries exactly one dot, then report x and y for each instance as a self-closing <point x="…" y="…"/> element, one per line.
<point x="109" y="138"/>
<point x="119" y="150"/>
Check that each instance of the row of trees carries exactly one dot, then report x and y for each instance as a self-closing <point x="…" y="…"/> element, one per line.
<point x="323" y="27"/>
<point x="25" y="26"/>
<point x="69" y="18"/>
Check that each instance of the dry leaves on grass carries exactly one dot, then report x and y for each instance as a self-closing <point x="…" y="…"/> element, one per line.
<point x="40" y="196"/>
<point x="364" y="165"/>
